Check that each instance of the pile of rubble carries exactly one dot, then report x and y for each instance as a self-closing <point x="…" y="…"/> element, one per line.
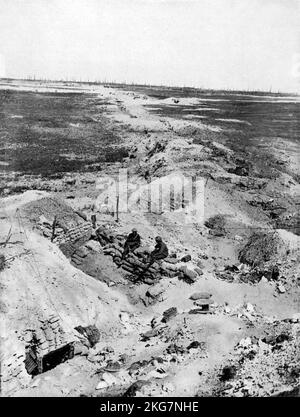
<point x="248" y="274"/>
<point x="264" y="367"/>
<point x="216" y="225"/>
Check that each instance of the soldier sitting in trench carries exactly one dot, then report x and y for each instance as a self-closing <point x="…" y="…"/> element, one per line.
<point x="132" y="242"/>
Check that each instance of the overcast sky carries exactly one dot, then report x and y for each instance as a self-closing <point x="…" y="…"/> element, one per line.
<point x="241" y="44"/>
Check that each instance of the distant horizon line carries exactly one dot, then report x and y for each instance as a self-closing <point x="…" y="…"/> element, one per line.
<point x="126" y="83"/>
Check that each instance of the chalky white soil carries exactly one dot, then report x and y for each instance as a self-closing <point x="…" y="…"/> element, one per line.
<point x="39" y="285"/>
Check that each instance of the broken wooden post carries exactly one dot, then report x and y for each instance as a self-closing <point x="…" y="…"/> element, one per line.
<point x="117" y="208"/>
<point x="7" y="238"/>
<point x="54" y="224"/>
<point x="94" y="220"/>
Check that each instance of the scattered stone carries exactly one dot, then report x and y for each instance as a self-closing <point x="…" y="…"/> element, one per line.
<point x="155" y="291"/>
<point x="198" y="270"/>
<point x="173" y="348"/>
<point x="157" y="373"/>
<point x="169" y="314"/>
<point x="101" y="385"/>
<point x="112" y="367"/>
<point x="245" y="343"/>
<point x="70" y="181"/>
<point x="228" y="372"/>
<point x="200" y="295"/>
<point x="136" y="366"/>
<point x="281" y="288"/>
<point x="35" y="383"/>
<point x="168" y="387"/>
<point x="150" y="333"/>
<point x="204" y="302"/>
<point x="249" y="308"/>
<point x="189" y="275"/>
<point x="198" y="311"/>
<point x="186" y="258"/>
<point x="273" y="340"/>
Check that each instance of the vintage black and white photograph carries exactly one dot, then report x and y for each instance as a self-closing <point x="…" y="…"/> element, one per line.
<point x="149" y="199"/>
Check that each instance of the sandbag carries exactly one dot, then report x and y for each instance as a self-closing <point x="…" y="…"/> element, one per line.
<point x="136" y="263"/>
<point x="169" y="267"/>
<point x="153" y="270"/>
<point x="117" y="246"/>
<point x="190" y="274"/>
<point x="127" y="268"/>
<point x="171" y="274"/>
<point x="171" y="260"/>
<point x="117" y="259"/>
<point x="128" y="264"/>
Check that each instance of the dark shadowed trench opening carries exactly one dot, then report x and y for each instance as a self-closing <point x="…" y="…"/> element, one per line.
<point x="36" y="364"/>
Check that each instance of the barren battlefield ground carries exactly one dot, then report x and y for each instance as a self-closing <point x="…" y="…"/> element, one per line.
<point x="220" y="315"/>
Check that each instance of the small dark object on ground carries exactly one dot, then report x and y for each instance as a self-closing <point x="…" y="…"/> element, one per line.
<point x="112" y="367"/>
<point x="2" y="262"/>
<point x="135" y="366"/>
<point x="228" y="372"/>
<point x="231" y="268"/>
<point x="216" y="224"/>
<point x="186" y="258"/>
<point x="173" y="348"/>
<point x="260" y="248"/>
<point x="242" y="171"/>
<point x="195" y="345"/>
<point x="200" y="295"/>
<point x="136" y="386"/>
